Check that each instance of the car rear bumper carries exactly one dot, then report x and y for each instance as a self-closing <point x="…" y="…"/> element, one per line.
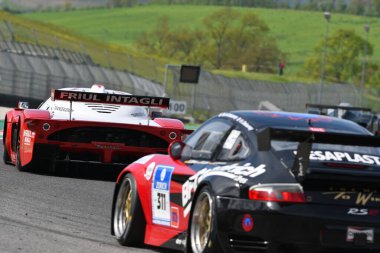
<point x="91" y="152"/>
<point x="292" y="228"/>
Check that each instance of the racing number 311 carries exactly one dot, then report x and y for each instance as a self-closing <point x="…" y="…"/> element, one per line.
<point x="161" y="201"/>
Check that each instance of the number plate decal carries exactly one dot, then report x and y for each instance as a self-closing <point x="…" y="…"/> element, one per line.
<point x="353" y="231"/>
<point x="161" y="212"/>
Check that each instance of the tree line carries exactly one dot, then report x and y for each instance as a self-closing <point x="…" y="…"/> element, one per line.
<point x="357" y="7"/>
<point x="228" y="39"/>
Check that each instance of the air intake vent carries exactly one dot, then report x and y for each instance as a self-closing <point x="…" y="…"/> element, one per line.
<point x="102" y="108"/>
<point x="247" y="244"/>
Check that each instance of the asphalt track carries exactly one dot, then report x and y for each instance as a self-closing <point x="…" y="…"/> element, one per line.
<point x="68" y="212"/>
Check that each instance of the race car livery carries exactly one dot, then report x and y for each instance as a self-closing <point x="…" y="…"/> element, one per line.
<point x="91" y="125"/>
<point x="255" y="181"/>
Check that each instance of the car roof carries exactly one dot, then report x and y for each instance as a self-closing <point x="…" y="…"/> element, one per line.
<point x="301" y="121"/>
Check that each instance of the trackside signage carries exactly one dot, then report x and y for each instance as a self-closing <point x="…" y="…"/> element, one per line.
<point x="78" y="96"/>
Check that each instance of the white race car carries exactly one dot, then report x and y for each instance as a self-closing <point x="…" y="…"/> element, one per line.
<point x="92" y="125"/>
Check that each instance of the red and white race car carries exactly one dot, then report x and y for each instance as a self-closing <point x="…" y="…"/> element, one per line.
<point x="92" y="125"/>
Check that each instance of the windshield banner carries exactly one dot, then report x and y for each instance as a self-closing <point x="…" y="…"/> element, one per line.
<point x="77" y="96"/>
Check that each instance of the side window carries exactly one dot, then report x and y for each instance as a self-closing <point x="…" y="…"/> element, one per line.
<point x="203" y="143"/>
<point x="235" y="147"/>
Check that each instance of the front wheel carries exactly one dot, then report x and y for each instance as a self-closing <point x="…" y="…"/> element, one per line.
<point x="203" y="230"/>
<point x="128" y="218"/>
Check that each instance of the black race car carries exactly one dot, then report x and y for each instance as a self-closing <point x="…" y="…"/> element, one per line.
<point x="360" y="115"/>
<point x="254" y="181"/>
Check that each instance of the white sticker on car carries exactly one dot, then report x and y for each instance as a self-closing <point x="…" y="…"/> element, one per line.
<point x="144" y="159"/>
<point x="238" y="119"/>
<point x="28" y="135"/>
<point x="231" y="139"/>
<point x="161" y="212"/>
<point x="149" y="170"/>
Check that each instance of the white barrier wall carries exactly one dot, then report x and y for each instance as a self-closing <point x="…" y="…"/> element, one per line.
<point x="3" y="111"/>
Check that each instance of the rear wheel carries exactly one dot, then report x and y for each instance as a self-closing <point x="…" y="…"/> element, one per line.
<point x="203" y="230"/>
<point x="6" y="158"/>
<point x="18" y="158"/>
<point x="128" y="218"/>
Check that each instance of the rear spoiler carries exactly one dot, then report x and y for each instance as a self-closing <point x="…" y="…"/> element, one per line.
<point x="79" y="96"/>
<point x="321" y="106"/>
<point x="306" y="139"/>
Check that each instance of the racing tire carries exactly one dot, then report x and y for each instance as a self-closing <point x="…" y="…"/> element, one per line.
<point x="18" y="159"/>
<point x="128" y="217"/>
<point x="202" y="232"/>
<point x="6" y="158"/>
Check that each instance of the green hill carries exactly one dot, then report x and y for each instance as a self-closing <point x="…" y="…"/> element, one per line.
<point x="296" y="32"/>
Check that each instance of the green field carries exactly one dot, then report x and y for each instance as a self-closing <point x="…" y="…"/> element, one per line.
<point x="296" y="32"/>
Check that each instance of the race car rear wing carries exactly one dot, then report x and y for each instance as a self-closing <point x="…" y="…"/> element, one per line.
<point x="91" y="97"/>
<point x="306" y="139"/>
<point x="322" y="106"/>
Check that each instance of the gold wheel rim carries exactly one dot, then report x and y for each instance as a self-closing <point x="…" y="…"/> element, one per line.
<point x="201" y="223"/>
<point x="127" y="208"/>
<point x="122" y="214"/>
<point x="204" y="222"/>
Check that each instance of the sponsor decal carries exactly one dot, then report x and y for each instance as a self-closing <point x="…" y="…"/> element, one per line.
<point x="236" y="172"/>
<point x="363" y="212"/>
<point x="317" y="129"/>
<point x="161" y="211"/>
<point x="62" y="109"/>
<point x="247" y="223"/>
<point x="359" y="198"/>
<point x="175" y="217"/>
<point x="353" y="231"/>
<point x="179" y="241"/>
<point x="114" y="147"/>
<point x="28" y="135"/>
<point x="238" y="119"/>
<point x="317" y="155"/>
<point x="111" y="98"/>
<point x="204" y="162"/>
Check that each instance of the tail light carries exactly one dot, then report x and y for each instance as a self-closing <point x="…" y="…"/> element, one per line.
<point x="291" y="193"/>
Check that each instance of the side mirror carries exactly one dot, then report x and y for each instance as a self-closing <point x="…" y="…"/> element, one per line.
<point x="175" y="149"/>
<point x="22" y="105"/>
<point x="155" y="114"/>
